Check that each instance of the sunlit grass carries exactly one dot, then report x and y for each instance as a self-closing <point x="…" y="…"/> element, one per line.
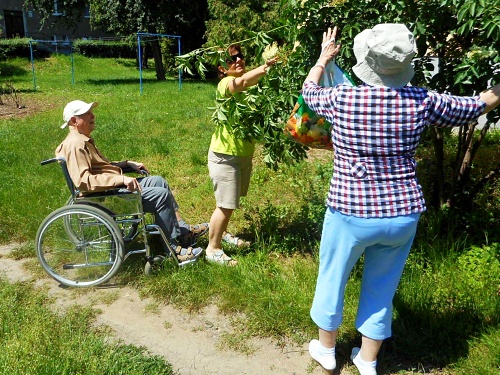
<point x="270" y="292"/>
<point x="37" y="340"/>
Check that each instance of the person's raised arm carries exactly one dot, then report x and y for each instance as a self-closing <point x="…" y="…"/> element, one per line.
<point x="491" y="97"/>
<point x="250" y="78"/>
<point x="329" y="49"/>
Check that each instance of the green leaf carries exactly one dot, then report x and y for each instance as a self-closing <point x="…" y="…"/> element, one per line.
<point x="461" y="13"/>
<point x="472" y="9"/>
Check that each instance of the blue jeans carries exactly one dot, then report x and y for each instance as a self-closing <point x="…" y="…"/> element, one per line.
<point x="385" y="243"/>
<point x="157" y="198"/>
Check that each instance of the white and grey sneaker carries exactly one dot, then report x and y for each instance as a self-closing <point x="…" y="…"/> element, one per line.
<point x="326" y="361"/>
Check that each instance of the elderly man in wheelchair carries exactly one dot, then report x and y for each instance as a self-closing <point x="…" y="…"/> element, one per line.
<point x="92" y="180"/>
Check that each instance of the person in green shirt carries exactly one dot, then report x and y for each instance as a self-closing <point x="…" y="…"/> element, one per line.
<point x="229" y="157"/>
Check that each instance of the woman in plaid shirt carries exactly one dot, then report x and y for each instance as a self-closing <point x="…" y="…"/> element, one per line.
<point x="374" y="201"/>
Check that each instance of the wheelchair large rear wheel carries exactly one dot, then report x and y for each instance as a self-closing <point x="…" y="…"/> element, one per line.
<point x="80" y="246"/>
<point x="129" y="228"/>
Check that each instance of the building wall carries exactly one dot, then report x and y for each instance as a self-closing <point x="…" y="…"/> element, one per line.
<point x="12" y="11"/>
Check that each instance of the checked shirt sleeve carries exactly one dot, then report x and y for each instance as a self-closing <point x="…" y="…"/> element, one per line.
<point x="448" y="110"/>
<point x="320" y="99"/>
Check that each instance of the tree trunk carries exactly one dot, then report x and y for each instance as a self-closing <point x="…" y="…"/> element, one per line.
<point x="160" y="70"/>
<point x="437" y="137"/>
<point x="467" y="150"/>
<point x="144" y="55"/>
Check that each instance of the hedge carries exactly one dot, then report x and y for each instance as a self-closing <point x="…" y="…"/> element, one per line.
<point x="15" y="47"/>
<point x="20" y="47"/>
<point x="99" y="48"/>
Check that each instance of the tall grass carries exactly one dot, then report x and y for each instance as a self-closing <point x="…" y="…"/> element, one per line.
<point x="446" y="309"/>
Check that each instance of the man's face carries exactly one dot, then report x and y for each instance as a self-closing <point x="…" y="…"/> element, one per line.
<point x="85" y="123"/>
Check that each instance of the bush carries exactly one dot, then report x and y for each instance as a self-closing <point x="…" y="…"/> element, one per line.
<point x="100" y="48"/>
<point x="15" y="47"/>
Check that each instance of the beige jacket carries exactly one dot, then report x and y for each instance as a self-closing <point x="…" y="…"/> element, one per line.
<point x="89" y="170"/>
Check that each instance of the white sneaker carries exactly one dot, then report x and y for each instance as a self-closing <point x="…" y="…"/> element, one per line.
<point x="326" y="361"/>
<point x="362" y="369"/>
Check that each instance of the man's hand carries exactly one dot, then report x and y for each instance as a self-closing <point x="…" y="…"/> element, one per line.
<point x="131" y="183"/>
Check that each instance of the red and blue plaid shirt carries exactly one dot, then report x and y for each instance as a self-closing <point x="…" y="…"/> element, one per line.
<point x="375" y="134"/>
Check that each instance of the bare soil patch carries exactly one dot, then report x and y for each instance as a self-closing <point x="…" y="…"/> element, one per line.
<point x="19" y="106"/>
<point x="191" y="343"/>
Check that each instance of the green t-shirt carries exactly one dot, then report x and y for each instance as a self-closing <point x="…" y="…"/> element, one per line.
<point x="223" y="141"/>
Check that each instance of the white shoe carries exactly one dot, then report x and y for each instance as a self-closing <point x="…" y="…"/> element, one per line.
<point x="326" y="361"/>
<point x="355" y="358"/>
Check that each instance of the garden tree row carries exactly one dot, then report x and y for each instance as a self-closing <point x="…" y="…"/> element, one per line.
<point x="231" y="21"/>
<point x="463" y="36"/>
<point x="185" y="18"/>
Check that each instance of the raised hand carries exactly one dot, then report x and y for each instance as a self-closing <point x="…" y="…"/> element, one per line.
<point x="329" y="48"/>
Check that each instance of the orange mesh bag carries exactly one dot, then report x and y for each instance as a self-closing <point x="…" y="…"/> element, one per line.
<point x="306" y="127"/>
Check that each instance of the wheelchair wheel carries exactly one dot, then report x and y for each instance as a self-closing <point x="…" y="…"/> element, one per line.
<point x="129" y="228"/>
<point x="154" y="265"/>
<point x="80" y="246"/>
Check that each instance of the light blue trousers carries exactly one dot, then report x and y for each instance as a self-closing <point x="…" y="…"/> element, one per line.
<point x="385" y="243"/>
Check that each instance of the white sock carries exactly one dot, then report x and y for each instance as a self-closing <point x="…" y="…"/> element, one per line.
<point x="360" y="361"/>
<point x="326" y="351"/>
<point x="364" y="367"/>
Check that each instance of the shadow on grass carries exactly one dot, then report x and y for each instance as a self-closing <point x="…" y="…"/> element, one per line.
<point x="119" y="81"/>
<point x="24" y="91"/>
<point x="286" y="229"/>
<point x="8" y="70"/>
<point x="433" y="340"/>
<point x="128" y="63"/>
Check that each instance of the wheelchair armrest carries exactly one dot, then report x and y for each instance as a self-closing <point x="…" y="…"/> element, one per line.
<point x="132" y="170"/>
<point x="109" y="192"/>
<point x="72" y="188"/>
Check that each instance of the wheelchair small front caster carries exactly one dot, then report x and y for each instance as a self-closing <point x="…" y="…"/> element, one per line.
<point x="153" y="265"/>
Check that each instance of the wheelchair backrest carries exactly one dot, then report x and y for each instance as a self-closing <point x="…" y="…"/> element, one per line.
<point x="69" y="182"/>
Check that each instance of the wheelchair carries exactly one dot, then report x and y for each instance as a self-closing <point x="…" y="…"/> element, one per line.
<point x="84" y="243"/>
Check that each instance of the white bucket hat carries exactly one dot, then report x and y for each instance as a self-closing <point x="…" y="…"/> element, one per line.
<point x="75" y="108"/>
<point x="384" y="55"/>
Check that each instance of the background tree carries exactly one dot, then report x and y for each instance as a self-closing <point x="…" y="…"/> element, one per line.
<point x="231" y="20"/>
<point x="73" y="10"/>
<point x="461" y="36"/>
<point x="127" y="17"/>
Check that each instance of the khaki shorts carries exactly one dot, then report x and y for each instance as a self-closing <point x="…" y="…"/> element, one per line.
<point x="230" y="176"/>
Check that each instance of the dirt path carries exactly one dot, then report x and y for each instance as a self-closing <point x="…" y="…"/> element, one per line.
<point x="189" y="343"/>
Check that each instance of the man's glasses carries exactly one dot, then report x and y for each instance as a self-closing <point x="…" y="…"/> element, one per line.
<point x="234" y="58"/>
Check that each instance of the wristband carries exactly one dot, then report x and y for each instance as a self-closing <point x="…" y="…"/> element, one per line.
<point x="320" y="65"/>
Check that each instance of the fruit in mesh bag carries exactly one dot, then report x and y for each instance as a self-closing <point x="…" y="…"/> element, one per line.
<point x="315" y="134"/>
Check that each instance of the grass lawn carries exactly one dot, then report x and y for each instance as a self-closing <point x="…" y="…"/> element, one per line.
<point x="441" y="322"/>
